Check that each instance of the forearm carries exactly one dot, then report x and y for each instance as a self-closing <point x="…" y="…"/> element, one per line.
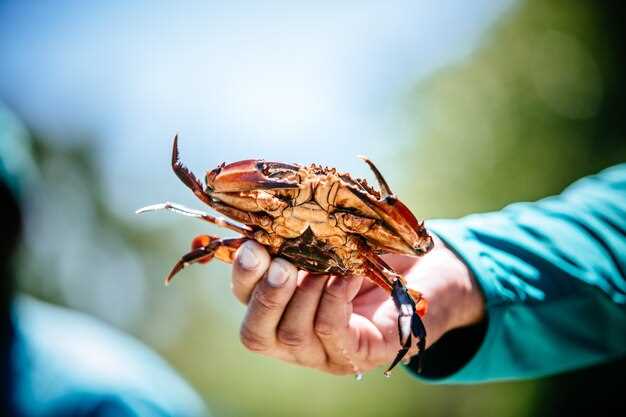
<point x="552" y="276"/>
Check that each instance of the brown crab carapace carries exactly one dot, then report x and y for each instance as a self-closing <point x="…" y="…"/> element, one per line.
<point x="321" y="220"/>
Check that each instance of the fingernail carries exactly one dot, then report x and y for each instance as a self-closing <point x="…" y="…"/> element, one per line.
<point x="247" y="258"/>
<point x="277" y="275"/>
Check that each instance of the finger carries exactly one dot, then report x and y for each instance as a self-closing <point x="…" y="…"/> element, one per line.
<point x="340" y="341"/>
<point x="401" y="263"/>
<point x="251" y="262"/>
<point x="295" y="330"/>
<point x="266" y="307"/>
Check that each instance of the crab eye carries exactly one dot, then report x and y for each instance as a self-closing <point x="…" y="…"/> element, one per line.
<point x="261" y="166"/>
<point x="209" y="179"/>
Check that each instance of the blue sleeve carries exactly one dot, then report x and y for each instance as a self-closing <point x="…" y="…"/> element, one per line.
<point x="553" y="274"/>
<point x="65" y="363"/>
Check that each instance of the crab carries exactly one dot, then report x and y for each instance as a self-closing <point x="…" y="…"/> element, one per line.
<point x="321" y="220"/>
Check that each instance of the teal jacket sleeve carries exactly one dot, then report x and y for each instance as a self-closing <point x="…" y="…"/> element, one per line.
<point x="553" y="274"/>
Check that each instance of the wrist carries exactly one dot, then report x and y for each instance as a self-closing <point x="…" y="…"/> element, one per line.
<point x="470" y="302"/>
<point x="467" y="305"/>
<point x="454" y="297"/>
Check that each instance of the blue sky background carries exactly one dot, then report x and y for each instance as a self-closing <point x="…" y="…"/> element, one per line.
<point x="293" y="81"/>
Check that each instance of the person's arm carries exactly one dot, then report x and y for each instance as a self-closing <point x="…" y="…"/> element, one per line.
<point x="553" y="276"/>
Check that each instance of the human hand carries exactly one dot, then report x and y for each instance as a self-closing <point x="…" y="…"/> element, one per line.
<point x="345" y="324"/>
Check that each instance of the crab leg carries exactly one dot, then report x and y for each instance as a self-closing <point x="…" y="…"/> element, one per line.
<point x="204" y="249"/>
<point x="421" y="305"/>
<point x="378" y="278"/>
<point x="186" y="176"/>
<point x="258" y="219"/>
<point x="409" y="320"/>
<point x="191" y="181"/>
<point x="388" y="276"/>
<point x="385" y="191"/>
<point x="409" y="323"/>
<point x="384" y="267"/>
<point x="185" y="211"/>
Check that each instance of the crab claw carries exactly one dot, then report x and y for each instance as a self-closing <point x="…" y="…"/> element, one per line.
<point x="410" y="324"/>
<point x="200" y="242"/>
<point x="204" y="248"/>
<point x="251" y="174"/>
<point x="385" y="191"/>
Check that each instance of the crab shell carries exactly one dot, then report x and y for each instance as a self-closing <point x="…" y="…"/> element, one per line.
<point x="316" y="211"/>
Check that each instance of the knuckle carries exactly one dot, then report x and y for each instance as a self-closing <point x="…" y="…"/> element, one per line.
<point x="291" y="338"/>
<point x="334" y="295"/>
<point x="324" y="329"/>
<point x="252" y="341"/>
<point x="265" y="301"/>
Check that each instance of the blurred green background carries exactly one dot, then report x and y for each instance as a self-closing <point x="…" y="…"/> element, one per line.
<point x="535" y="103"/>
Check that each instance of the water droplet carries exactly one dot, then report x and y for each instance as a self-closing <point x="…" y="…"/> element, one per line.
<point x="387" y="374"/>
<point x="358" y="376"/>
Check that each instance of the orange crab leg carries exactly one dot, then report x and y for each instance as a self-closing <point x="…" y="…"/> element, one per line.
<point x="378" y="278"/>
<point x="204" y="249"/>
<point x="421" y="305"/>
<point x="384" y="276"/>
